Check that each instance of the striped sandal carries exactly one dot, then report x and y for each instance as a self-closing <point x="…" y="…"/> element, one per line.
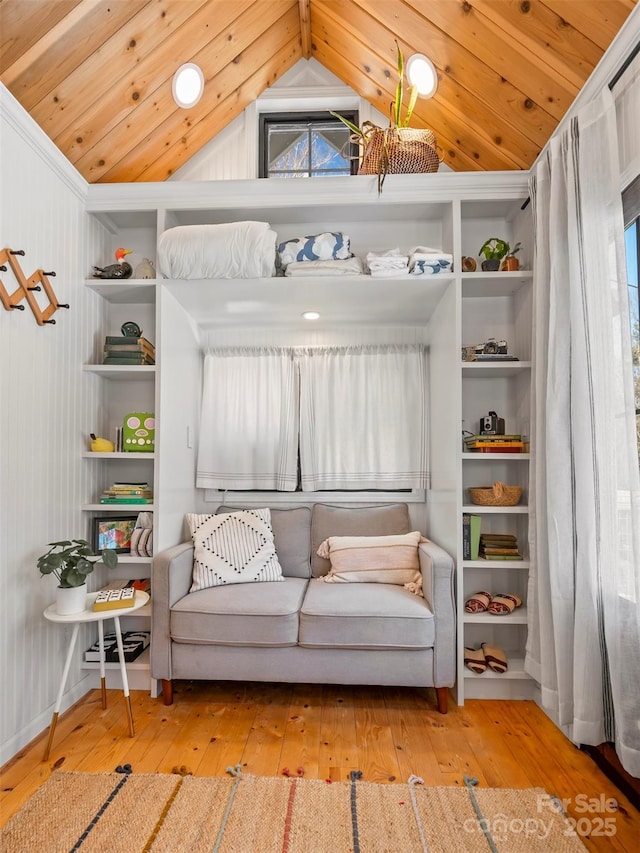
<point x="474" y="660"/>
<point x="504" y="603"/>
<point x="478" y="602"/>
<point x="495" y="658"/>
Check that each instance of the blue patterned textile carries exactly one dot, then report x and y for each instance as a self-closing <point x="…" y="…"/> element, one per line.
<point x="330" y="245"/>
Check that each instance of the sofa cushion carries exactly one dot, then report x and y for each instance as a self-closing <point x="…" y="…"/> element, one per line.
<point x="236" y="547"/>
<point x="364" y="616"/>
<point x="374" y="559"/>
<point x="327" y="520"/>
<point x="292" y="537"/>
<point x="257" y="614"/>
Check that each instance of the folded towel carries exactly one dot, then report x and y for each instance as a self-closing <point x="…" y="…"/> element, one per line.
<point x="392" y="259"/>
<point x="400" y="273"/>
<point x="350" y="266"/>
<point x="330" y="245"/>
<point x="426" y="261"/>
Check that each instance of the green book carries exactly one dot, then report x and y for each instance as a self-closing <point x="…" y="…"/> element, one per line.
<point x="129" y="499"/>
<point x="470" y="536"/>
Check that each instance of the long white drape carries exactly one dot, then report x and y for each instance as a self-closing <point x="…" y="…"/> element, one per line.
<point x="363" y="418"/>
<point x="249" y="421"/>
<point x="584" y="587"/>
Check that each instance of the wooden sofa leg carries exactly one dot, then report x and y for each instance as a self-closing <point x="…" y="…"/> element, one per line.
<point x="442" y="694"/>
<point x="167" y="692"/>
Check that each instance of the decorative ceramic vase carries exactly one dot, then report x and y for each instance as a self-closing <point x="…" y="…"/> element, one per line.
<point x="511" y="264"/>
<point x="70" y="600"/>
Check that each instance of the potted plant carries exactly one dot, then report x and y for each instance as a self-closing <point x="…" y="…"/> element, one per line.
<point x="494" y="250"/>
<point x="70" y="561"/>
<point x="398" y="148"/>
<point x="511" y="263"/>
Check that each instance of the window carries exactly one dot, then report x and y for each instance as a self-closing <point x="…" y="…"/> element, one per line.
<point x="631" y="204"/>
<point x="303" y="145"/>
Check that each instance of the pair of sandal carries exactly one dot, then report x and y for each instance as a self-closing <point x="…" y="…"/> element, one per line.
<point x="477" y="660"/>
<point x="498" y="605"/>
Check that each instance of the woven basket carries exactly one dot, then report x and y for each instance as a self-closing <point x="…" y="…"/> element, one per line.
<point x="398" y="150"/>
<point x="497" y="495"/>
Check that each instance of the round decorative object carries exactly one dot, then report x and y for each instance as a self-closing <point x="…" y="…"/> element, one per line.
<point x="131" y="329"/>
<point x="468" y="264"/>
<point x="497" y="495"/>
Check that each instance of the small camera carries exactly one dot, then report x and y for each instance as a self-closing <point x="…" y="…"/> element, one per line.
<point x="491" y="424"/>
<point x="492" y="347"/>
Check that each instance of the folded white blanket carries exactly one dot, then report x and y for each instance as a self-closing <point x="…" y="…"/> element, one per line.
<point x="388" y="273"/>
<point x="229" y="250"/>
<point x="350" y="266"/>
<point x="392" y="259"/>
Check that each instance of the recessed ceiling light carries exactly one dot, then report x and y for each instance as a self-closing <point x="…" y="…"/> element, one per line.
<point x="311" y="315"/>
<point x="421" y="73"/>
<point x="188" y="85"/>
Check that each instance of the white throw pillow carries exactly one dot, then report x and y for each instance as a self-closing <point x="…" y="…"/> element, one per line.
<point x="236" y="547"/>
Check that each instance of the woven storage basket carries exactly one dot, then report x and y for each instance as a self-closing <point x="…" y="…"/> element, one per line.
<point x="397" y="150"/>
<point x="497" y="495"/>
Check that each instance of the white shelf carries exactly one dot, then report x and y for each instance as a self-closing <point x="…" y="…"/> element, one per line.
<point x="128" y="508"/>
<point x="127" y="559"/>
<point x="90" y="454"/>
<point x="142" y="372"/>
<point x="476" y="509"/>
<point x="498" y="370"/>
<point x="491" y="284"/>
<point x="496" y="564"/>
<point x="493" y="457"/>
<point x="357" y="299"/>
<point x="518" y="617"/>
<point x="132" y="291"/>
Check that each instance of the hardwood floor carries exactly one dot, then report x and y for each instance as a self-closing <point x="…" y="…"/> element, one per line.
<point x="387" y="733"/>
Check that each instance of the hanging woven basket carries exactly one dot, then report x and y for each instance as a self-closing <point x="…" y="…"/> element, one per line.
<point x="398" y="150"/>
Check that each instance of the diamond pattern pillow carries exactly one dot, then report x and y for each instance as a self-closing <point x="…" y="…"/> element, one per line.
<point x="237" y="547"/>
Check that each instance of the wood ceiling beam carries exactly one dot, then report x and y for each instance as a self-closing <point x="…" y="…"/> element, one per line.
<point x="178" y="128"/>
<point x="305" y="27"/>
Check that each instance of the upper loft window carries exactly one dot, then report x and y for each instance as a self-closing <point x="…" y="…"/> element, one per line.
<point x="306" y="145"/>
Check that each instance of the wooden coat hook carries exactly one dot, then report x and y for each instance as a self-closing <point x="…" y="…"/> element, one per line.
<point x="38" y="281"/>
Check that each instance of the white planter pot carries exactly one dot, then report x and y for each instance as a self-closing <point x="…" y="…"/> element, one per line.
<point x="71" y="600"/>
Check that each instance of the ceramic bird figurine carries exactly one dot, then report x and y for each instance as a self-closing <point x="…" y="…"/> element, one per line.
<point x="121" y="269"/>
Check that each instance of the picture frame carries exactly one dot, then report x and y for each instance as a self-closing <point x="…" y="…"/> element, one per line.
<point x="113" y="533"/>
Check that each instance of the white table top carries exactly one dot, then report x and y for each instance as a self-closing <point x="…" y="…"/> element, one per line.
<point x="89" y="615"/>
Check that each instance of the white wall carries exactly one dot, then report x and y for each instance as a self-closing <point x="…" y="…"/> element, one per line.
<point x="46" y="408"/>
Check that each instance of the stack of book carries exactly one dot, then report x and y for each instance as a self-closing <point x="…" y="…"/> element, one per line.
<point x="499" y="546"/>
<point x="120" y="349"/>
<point x="494" y="443"/>
<point x="133" y="644"/>
<point x="127" y="493"/>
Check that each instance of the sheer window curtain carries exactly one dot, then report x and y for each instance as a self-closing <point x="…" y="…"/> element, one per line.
<point x="584" y="586"/>
<point x="363" y="417"/>
<point x="249" y="421"/>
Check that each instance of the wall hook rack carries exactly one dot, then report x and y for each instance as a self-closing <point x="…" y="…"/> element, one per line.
<point x="38" y="281"/>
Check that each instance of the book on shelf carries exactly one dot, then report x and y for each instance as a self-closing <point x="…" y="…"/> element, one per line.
<point x="470" y="536"/>
<point x="495" y="357"/>
<point x="497" y="447"/>
<point x="92" y="654"/>
<point x="114" y="599"/>
<point x="133" y="644"/>
<point x="471" y="439"/>
<point x="122" y="340"/>
<point x="500" y="556"/>
<point x="129" y="358"/>
<point x="126" y="499"/>
<point x="495" y="551"/>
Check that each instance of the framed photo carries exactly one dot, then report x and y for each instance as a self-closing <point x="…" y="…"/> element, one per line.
<point x="113" y="533"/>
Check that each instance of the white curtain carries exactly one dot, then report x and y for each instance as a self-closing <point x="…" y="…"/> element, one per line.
<point x="363" y="421"/>
<point x="249" y="421"/>
<point x="584" y="585"/>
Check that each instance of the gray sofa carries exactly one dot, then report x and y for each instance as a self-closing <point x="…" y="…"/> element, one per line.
<point x="303" y="630"/>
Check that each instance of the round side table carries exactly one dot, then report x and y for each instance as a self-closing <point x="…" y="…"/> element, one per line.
<point x="99" y="616"/>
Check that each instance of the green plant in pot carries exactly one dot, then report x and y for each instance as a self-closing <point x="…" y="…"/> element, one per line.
<point x="70" y="561"/>
<point x="493" y="250"/>
<point x="397" y="148"/>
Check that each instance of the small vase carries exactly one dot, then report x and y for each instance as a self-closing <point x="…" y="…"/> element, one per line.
<point x="491" y="265"/>
<point x="70" y="600"/>
<point x="511" y="264"/>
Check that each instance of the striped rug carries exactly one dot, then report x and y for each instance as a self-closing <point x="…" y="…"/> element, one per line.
<point x="125" y="812"/>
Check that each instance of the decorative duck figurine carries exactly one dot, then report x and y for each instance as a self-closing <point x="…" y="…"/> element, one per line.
<point x="121" y="269"/>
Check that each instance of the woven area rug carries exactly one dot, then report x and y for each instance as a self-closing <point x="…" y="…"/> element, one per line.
<point x="125" y="812"/>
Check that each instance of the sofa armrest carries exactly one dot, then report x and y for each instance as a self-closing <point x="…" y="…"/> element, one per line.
<point x="436" y="566"/>
<point x="171" y="581"/>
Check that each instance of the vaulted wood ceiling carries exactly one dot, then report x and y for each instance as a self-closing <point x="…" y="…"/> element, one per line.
<point x="96" y="74"/>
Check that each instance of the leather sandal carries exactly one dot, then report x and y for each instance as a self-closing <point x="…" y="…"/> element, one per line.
<point x="474" y="660"/>
<point x="495" y="658"/>
<point x="504" y="603"/>
<point x="478" y="603"/>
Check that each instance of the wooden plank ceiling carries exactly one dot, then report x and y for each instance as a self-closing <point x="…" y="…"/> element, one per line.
<point x="96" y="74"/>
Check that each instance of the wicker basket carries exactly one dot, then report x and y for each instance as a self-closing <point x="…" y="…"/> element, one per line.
<point x="399" y="149"/>
<point x="497" y="495"/>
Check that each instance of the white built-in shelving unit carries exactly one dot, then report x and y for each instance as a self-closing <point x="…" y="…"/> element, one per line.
<point x="452" y="212"/>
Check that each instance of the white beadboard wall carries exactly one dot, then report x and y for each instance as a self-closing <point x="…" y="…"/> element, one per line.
<point x="47" y="407"/>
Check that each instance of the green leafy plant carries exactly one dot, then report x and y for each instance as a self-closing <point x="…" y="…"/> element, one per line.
<point x="495" y="249"/>
<point x="70" y="561"/>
